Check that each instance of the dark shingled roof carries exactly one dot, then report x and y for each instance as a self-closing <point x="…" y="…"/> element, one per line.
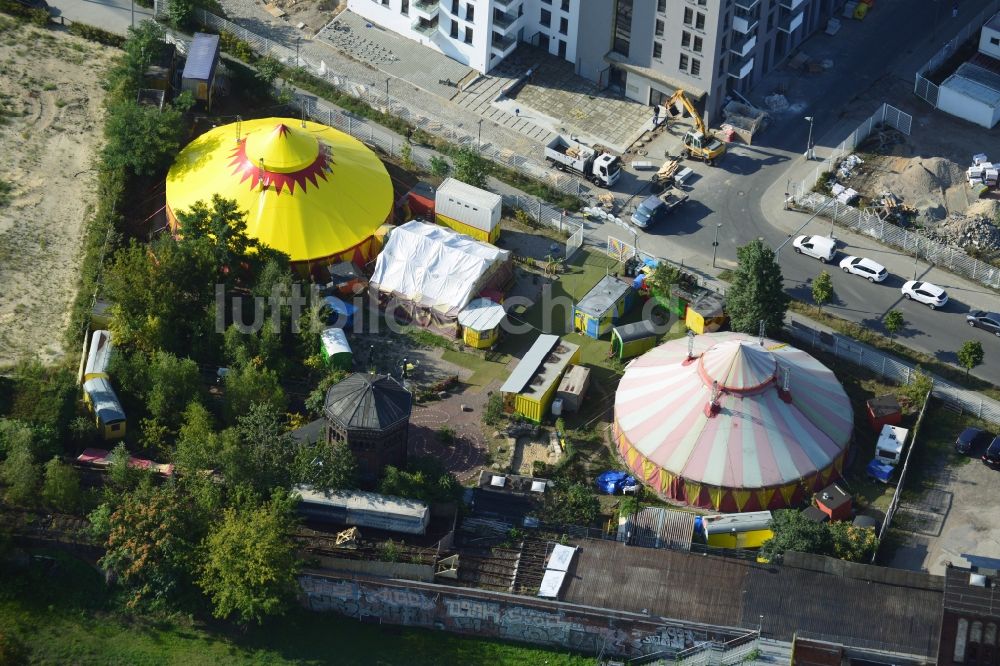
<point x="368" y="402"/>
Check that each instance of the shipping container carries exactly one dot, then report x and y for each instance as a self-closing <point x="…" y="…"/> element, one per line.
<point x="468" y="210"/>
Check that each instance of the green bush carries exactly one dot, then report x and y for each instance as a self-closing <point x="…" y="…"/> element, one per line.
<point x="235" y="46"/>
<point x="39" y="17"/>
<point x="96" y="34"/>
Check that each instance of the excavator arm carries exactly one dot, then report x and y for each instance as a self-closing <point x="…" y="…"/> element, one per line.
<point x="680" y="96"/>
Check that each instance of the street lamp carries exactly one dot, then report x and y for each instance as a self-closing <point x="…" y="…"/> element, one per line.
<point x="480" y="143"/>
<point x="715" y="243"/>
<point x="133" y="13"/>
<point x="916" y="253"/>
<point x="809" y="141"/>
<point x="387" y="88"/>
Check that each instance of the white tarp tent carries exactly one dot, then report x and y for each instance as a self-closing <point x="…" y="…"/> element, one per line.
<point x="435" y="267"/>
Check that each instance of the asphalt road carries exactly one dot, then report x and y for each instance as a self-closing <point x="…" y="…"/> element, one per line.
<point x="112" y="15"/>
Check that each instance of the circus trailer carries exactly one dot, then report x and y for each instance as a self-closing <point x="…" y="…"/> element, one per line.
<point x="335" y="349"/>
<point x="108" y="413"/>
<point x="480" y="322"/>
<point x="468" y="210"/>
<point x="706" y="314"/>
<point x="200" y="69"/>
<point x="737" y="530"/>
<point x="633" y="339"/>
<point x="308" y="190"/>
<point x="603" y="306"/>
<point x="531" y="387"/>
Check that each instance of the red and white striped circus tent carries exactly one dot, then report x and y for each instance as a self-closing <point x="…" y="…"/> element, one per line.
<point x="716" y="429"/>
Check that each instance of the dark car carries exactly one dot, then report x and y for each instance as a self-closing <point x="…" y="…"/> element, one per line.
<point x="988" y="321"/>
<point x="971" y="439"/>
<point x="992" y="455"/>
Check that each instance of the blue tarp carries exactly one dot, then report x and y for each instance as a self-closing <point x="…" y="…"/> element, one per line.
<point x="339" y="313"/>
<point x="613" y="483"/>
<point x="880" y="470"/>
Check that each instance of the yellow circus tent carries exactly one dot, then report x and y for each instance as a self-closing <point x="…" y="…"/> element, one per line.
<point x="308" y="190"/>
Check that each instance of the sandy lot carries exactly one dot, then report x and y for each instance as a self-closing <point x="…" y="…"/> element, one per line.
<point x="50" y="128"/>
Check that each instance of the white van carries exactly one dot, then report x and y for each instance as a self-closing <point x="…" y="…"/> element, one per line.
<point x="817" y="247"/>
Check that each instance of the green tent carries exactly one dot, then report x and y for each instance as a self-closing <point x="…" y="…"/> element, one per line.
<point x="633" y="339"/>
<point x="335" y="349"/>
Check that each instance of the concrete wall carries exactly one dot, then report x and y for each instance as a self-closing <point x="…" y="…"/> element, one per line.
<point x="594" y="39"/>
<point x="503" y="616"/>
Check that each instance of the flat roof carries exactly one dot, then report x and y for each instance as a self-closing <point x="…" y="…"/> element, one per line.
<point x="359" y="500"/>
<point x="961" y="596"/>
<point x="526" y="367"/>
<point x="468" y="194"/>
<point x="603" y="296"/>
<point x="976" y="82"/>
<point x="203" y="55"/>
<point x="550" y="369"/>
<point x="575" y="380"/>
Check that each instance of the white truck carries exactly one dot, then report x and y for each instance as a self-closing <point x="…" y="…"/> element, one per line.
<point x="602" y="169"/>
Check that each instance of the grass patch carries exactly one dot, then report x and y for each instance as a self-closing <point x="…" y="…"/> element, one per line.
<point x="425" y="338"/>
<point x="483" y="371"/>
<point x="870" y="337"/>
<point x="59" y="608"/>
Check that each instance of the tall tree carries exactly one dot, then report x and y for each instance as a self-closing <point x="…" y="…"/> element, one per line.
<point x="61" y="488"/>
<point x="199" y="446"/>
<point x="793" y="531"/>
<point x="822" y="289"/>
<point x="326" y="466"/>
<point x="893" y="322"/>
<point x="970" y="354"/>
<point x="249" y="567"/>
<point x="144" y="139"/>
<point x="664" y="277"/>
<point x="258" y="451"/>
<point x="21" y="474"/>
<point x="757" y="292"/>
<point x="174" y="382"/>
<point x="471" y="167"/>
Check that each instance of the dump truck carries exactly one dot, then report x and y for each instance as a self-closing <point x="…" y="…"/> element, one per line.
<point x="700" y="142"/>
<point x="601" y="168"/>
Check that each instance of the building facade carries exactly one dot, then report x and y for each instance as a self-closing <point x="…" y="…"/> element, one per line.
<point x="645" y="49"/>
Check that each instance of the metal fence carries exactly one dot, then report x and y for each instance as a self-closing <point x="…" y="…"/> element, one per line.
<point x="922" y="86"/>
<point x="378" y="99"/>
<point x="894" y="370"/>
<point x="574" y="242"/>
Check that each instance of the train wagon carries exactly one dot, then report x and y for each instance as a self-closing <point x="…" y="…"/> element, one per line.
<point x="737" y="530"/>
<point x="364" y="509"/>
<point x="103" y="402"/>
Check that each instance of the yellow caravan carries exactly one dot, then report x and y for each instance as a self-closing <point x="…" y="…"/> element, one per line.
<point x="532" y="385"/>
<point x="108" y="413"/>
<point x="737" y="530"/>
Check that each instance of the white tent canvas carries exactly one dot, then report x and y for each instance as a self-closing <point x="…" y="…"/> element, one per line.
<point x="435" y="267"/>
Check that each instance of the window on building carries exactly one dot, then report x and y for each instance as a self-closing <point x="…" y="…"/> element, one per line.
<point x="623" y="26"/>
<point x="685" y="39"/>
<point x="565" y="5"/>
<point x="683" y="64"/>
<point x="547" y="2"/>
<point x="699" y="21"/>
<point x="661" y="6"/>
<point x="688" y="15"/>
<point x="961" y="637"/>
<point x="722" y="66"/>
<point x="405" y="8"/>
<point x="454" y="7"/>
<point x="990" y="636"/>
<point x="995" y="41"/>
<point x="659" y="27"/>
<point x="563" y="25"/>
<point x="470" y="13"/>
<point x="454" y="29"/>
<point x="695" y="67"/>
<point x="703" y="3"/>
<point x="657" y="50"/>
<point x="468" y="35"/>
<point x="546" y="19"/>
<point x="697" y="44"/>
<point x="561" y="52"/>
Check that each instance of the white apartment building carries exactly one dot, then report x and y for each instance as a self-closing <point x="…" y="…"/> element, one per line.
<point x="646" y="49"/>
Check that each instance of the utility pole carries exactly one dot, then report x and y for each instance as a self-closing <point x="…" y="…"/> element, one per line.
<point x="133" y="13"/>
<point x="297" y="40"/>
<point x="715" y="244"/>
<point x="809" y="141"/>
<point x="387" y="89"/>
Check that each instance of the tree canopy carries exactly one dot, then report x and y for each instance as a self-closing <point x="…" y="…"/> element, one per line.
<point x="822" y="289"/>
<point x="757" y="291"/>
<point x="570" y="504"/>
<point x="793" y="531"/>
<point x="970" y="354"/>
<point x="426" y="479"/>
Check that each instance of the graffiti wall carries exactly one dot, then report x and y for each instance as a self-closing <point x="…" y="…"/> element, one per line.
<point x="508" y="617"/>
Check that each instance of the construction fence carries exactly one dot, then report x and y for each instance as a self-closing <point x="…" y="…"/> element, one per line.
<point x="378" y="99"/>
<point x="922" y="85"/>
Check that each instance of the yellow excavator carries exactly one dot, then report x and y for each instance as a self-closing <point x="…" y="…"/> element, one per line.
<point x="700" y="142"/>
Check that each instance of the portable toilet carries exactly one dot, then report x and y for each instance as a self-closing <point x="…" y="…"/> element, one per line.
<point x="480" y="322"/>
<point x="603" y="306"/>
<point x="706" y="314"/>
<point x="335" y="349"/>
<point x="633" y="339"/>
<point x="339" y="313"/>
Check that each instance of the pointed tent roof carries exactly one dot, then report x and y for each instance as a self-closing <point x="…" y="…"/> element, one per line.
<point x="367" y="402"/>
<point x="308" y="190"/>
<point x="740" y="366"/>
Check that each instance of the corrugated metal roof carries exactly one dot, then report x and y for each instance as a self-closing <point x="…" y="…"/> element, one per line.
<point x="360" y="500"/>
<point x="468" y="194"/>
<point x="368" y="402"/>
<point x="527" y="366"/>
<point x="203" y="55"/>
<point x="603" y="296"/>
<point x="99" y="356"/>
<point x="104" y="401"/>
<point x="976" y="82"/>
<point x="482" y="314"/>
<point x="659" y="527"/>
<point x="961" y="597"/>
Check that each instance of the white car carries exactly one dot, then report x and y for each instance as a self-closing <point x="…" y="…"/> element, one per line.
<point x="929" y="294"/>
<point x="817" y="247"/>
<point x="866" y="268"/>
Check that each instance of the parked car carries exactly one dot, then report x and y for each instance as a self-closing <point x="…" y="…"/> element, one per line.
<point x="817" y="247"/>
<point x="988" y="321"/>
<point x="929" y="294"/>
<point x="992" y="455"/>
<point x="971" y="439"/>
<point x="866" y="268"/>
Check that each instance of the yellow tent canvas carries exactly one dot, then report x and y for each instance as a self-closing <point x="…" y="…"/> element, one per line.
<point x="308" y="190"/>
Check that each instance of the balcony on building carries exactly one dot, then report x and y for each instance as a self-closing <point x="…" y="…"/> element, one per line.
<point x="739" y="68"/>
<point x="426" y="9"/>
<point x="425" y="27"/>
<point x="743" y="46"/>
<point x="749" y="5"/>
<point x="789" y="22"/>
<point x="505" y="5"/>
<point x="790" y="5"/>
<point x="745" y="21"/>
<point x="504" y="23"/>
<point x="502" y="45"/>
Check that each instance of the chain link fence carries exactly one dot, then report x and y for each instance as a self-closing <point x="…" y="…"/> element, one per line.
<point x="378" y="99"/>
<point x="922" y="86"/>
<point x="894" y="370"/>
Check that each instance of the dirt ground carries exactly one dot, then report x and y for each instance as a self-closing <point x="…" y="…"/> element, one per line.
<point x="50" y="129"/>
<point x="314" y="14"/>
